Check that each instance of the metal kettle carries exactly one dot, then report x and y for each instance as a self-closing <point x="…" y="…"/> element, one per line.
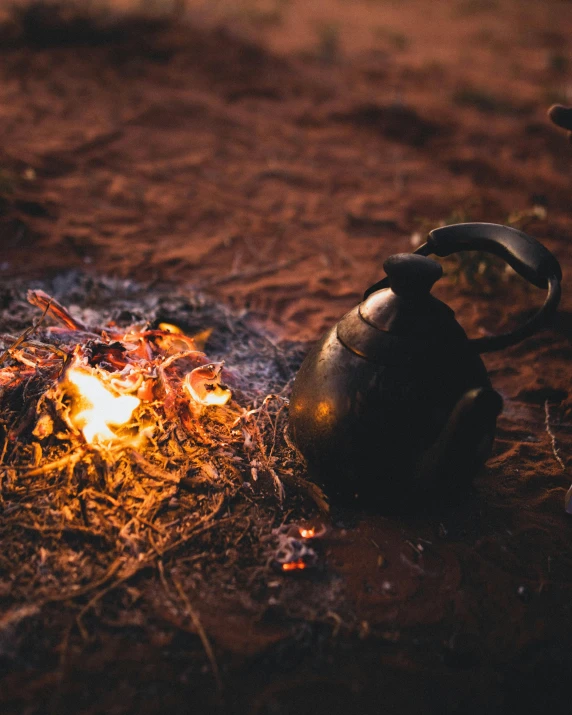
<point x="393" y="406"/>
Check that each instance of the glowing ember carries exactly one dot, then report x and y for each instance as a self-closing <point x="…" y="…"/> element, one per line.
<point x="308" y="533"/>
<point x="101" y="407"/>
<point x="293" y="550"/>
<point x="294" y="566"/>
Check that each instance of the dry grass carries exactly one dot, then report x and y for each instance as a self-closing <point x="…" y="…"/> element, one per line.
<point x="92" y="529"/>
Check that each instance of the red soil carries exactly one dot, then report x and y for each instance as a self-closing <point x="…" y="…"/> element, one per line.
<point x="275" y="161"/>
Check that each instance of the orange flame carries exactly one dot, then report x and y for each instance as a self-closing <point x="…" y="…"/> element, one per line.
<point x="294" y="566"/>
<point x="308" y="533"/>
<point x="204" y="385"/>
<point x="99" y="407"/>
<point x="170" y="328"/>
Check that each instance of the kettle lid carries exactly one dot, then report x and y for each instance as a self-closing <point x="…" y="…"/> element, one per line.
<point x="407" y="306"/>
<point x="410" y="274"/>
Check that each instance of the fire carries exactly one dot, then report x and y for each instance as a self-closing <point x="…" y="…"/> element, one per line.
<point x="101" y="407"/>
<point x="308" y="533"/>
<point x="294" y="566"/>
<point x="169" y="328"/>
<point x="110" y="371"/>
<point x="294" y="552"/>
<point x="205" y="387"/>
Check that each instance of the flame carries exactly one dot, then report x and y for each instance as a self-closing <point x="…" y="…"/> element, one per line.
<point x="198" y="339"/>
<point x="308" y="533"/>
<point x="217" y="396"/>
<point x="101" y="407"/>
<point x="294" y="566"/>
<point x="204" y="385"/>
<point x="170" y="328"/>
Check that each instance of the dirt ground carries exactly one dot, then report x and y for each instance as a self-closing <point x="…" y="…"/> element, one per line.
<point x="272" y="154"/>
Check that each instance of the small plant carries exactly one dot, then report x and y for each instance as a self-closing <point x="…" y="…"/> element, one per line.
<point x="521" y="219"/>
<point x="476" y="271"/>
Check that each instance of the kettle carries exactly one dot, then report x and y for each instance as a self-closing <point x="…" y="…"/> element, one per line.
<point x="393" y="407"/>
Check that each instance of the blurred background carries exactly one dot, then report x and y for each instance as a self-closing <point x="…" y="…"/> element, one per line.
<point x="274" y="152"/>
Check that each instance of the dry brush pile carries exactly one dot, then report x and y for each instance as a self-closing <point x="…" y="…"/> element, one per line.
<point x="194" y="493"/>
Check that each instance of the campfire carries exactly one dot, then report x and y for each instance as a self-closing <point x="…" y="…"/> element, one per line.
<point x="103" y="378"/>
<point x="123" y="448"/>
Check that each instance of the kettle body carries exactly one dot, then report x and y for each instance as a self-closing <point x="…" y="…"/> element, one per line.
<point x="394" y="405"/>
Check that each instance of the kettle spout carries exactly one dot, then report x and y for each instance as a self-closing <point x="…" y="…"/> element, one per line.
<point x="464" y="444"/>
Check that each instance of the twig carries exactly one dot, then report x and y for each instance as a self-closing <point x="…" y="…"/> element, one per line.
<point x="265" y="460"/>
<point x="39" y="299"/>
<point x="130" y="571"/>
<point x="115" y="566"/>
<point x="25" y="334"/>
<point x="79" y="493"/>
<point x="152" y="470"/>
<point x="552" y="436"/>
<point x="75" y="530"/>
<point x="194" y="616"/>
<point x="119" y="505"/>
<point x="69" y="459"/>
<point x="194" y="530"/>
<point x="4" y="447"/>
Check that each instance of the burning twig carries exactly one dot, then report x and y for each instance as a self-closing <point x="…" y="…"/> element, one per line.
<point x="56" y="310"/>
<point x="68" y="460"/>
<point x="25" y="335"/>
<point x="110" y="376"/>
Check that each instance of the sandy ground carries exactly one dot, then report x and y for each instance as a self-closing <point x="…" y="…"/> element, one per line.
<point x="273" y="154"/>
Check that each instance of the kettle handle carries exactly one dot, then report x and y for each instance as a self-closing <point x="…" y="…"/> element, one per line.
<point x="525" y="254"/>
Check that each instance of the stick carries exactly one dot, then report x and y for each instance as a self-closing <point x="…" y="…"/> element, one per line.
<point x="132" y="570"/>
<point x="194" y="530"/>
<point x="151" y="470"/>
<point x="39" y="299"/>
<point x="552" y="436"/>
<point x="25" y="334"/>
<point x="119" y="505"/>
<point x="5" y="446"/>
<point x="115" y="566"/>
<point x="69" y="459"/>
<point x="201" y="632"/>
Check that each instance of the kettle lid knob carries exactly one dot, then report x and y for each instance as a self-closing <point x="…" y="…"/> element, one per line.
<point x="411" y="275"/>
